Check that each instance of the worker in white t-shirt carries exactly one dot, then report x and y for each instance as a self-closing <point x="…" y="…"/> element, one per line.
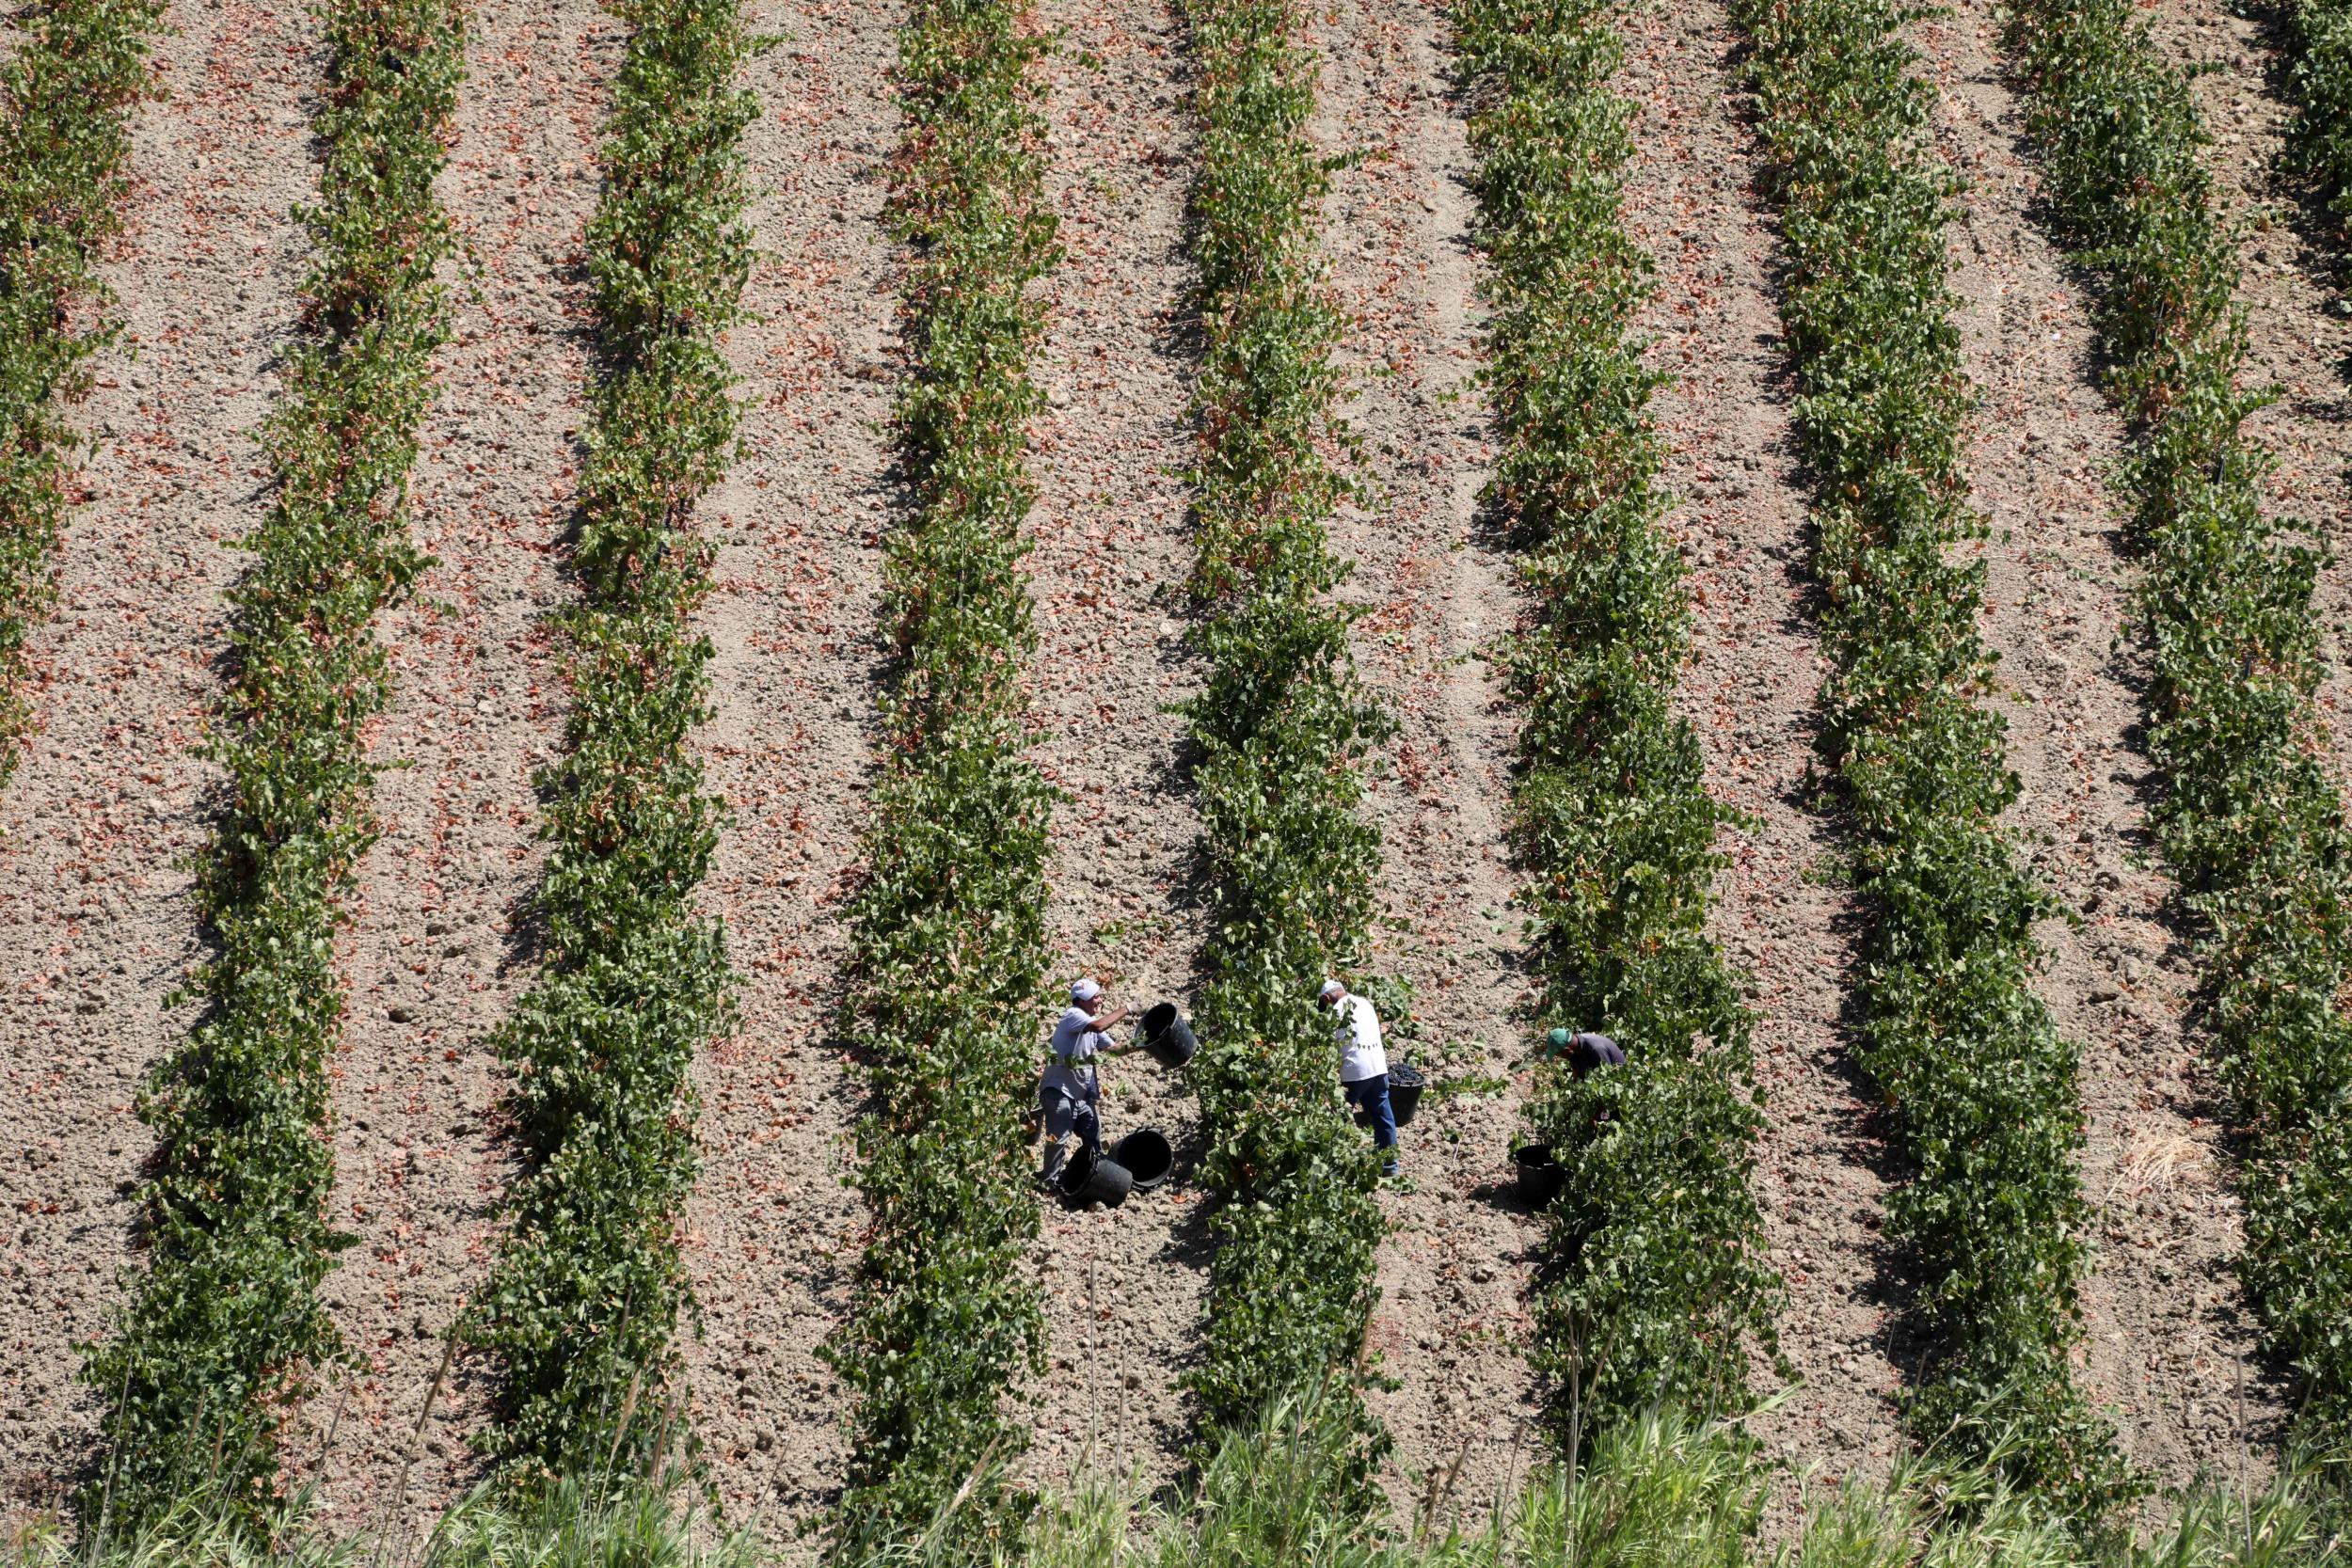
<point x="1364" y="1068"/>
<point x="1071" y="1094"/>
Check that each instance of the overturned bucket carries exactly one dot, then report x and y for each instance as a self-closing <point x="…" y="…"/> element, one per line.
<point x="1540" y="1176"/>
<point x="1167" y="1036"/>
<point x="1146" y="1155"/>
<point x="1406" y="1082"/>
<point x="1091" y="1178"/>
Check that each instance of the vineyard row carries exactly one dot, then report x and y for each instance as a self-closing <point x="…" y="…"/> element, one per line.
<point x="223" y="1333"/>
<point x="65" y="96"/>
<point x="949" y="950"/>
<point x="1980" y="1085"/>
<point x="2250" y="819"/>
<point x="2321" y="77"/>
<point x="1279" y="734"/>
<point x="1656" y="1277"/>
<point x="581" y="1306"/>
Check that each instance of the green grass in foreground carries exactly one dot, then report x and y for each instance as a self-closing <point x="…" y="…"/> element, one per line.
<point x="1654" y="1491"/>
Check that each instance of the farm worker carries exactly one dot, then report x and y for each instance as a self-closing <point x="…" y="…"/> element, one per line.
<point x="1585" y="1053"/>
<point x="1363" y="1067"/>
<point x="1070" y="1094"/>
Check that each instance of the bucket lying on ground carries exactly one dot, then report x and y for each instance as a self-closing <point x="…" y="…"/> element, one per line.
<point x="1146" y="1155"/>
<point x="1540" y="1176"/>
<point x="1093" y="1179"/>
<point x="1167" y="1036"/>
<point x="1404" y="1085"/>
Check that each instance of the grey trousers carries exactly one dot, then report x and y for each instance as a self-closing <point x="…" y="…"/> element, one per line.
<point x="1065" y="1114"/>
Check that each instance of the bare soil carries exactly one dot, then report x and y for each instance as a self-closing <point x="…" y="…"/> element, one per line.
<point x="1113" y="548"/>
<point x="1432" y="596"/>
<point x="774" y="1232"/>
<point x="1752" y="691"/>
<point x="434" y="962"/>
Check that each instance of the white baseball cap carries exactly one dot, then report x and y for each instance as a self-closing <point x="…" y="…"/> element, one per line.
<point x="1084" y="991"/>
<point x="1331" y="988"/>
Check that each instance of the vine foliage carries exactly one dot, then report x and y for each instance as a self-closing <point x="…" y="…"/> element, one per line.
<point x="1655" y="1281"/>
<point x="948" y="948"/>
<point x="2249" y="820"/>
<point x="2320" y="75"/>
<point x="65" y="96"/>
<point x="1980" y="1084"/>
<point x="581" y="1307"/>
<point x="222" y="1333"/>
<point x="1280" y="733"/>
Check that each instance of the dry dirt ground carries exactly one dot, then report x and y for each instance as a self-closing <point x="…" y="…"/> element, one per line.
<point x="774" y="1231"/>
<point x="1123" y="1291"/>
<point x="1398" y="230"/>
<point x="421" y="1154"/>
<point x="110" y="798"/>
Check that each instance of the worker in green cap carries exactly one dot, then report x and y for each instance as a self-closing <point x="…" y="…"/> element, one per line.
<point x="1584" y="1053"/>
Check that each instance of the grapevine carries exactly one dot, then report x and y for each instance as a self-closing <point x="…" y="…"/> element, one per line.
<point x="65" y="96"/>
<point x="581" y="1307"/>
<point x="1655" y="1280"/>
<point x="221" y="1335"/>
<point x="949" y="947"/>
<point x="1980" y="1084"/>
<point x="1280" y="734"/>
<point x="2250" y="821"/>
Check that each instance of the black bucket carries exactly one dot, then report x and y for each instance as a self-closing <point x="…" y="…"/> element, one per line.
<point x="1091" y="1179"/>
<point x="1167" y="1036"/>
<point x="1146" y="1156"/>
<point x="1540" y="1176"/>
<point x="1404" y="1085"/>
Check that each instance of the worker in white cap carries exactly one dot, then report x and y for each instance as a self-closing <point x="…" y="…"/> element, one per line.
<point x="1363" y="1068"/>
<point x="1070" y="1093"/>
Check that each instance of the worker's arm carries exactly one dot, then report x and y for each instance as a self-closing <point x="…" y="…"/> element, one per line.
<point x="1105" y="1044"/>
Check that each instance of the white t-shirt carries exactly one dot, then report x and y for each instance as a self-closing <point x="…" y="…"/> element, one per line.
<point x="1075" y="1041"/>
<point x="1362" y="1055"/>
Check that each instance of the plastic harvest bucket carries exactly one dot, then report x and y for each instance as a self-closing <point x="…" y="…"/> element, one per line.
<point x="1146" y="1155"/>
<point x="1091" y="1179"/>
<point x="1167" y="1036"/>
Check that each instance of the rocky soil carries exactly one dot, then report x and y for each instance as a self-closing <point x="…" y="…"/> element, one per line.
<point x="774" y="1231"/>
<point x="1123" y="1289"/>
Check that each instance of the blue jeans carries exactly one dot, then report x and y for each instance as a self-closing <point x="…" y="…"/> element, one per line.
<point x="1370" y="1096"/>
